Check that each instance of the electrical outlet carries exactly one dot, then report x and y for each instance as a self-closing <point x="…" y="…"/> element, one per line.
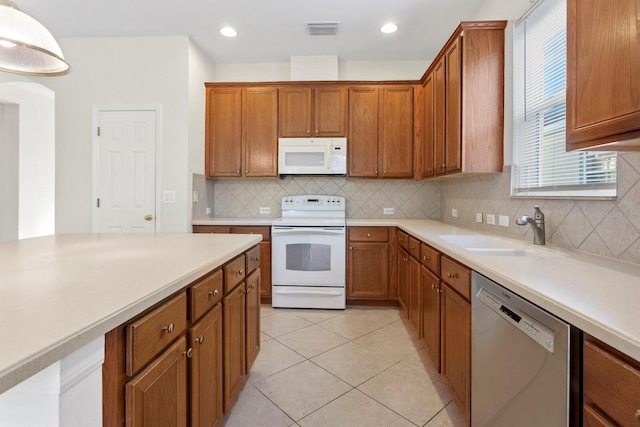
<point x="478" y="216"/>
<point x="491" y="219"/>
<point x="208" y="211"/>
<point x="454" y="213"/>
<point x="388" y="211"/>
<point x="169" y="196"/>
<point x="503" y="220"/>
<point x="265" y="210"/>
<point x="195" y="197"/>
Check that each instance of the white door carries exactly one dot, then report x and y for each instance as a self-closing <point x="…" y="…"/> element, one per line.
<point x="126" y="163"/>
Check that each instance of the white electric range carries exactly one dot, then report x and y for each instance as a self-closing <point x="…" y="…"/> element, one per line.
<point x="308" y="253"/>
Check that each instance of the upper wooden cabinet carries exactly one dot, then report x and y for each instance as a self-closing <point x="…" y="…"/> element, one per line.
<point x="380" y="140"/>
<point x="463" y="108"/>
<point x="241" y="132"/>
<point x="313" y="111"/>
<point x="603" y="74"/>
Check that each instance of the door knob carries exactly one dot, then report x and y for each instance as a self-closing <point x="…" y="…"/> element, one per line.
<point x="148" y="217"/>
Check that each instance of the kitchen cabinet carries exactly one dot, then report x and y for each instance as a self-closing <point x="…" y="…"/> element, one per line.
<point x="185" y="359"/>
<point x="241" y="136"/>
<point x="455" y="358"/>
<point x="381" y="133"/>
<point x="430" y="315"/>
<point x="415" y="295"/>
<point x="206" y="369"/>
<point x="466" y="122"/>
<point x="313" y="111"/>
<point x="368" y="263"/>
<point x="404" y="274"/>
<point x="611" y="386"/>
<point x="265" y="251"/>
<point x="603" y="75"/>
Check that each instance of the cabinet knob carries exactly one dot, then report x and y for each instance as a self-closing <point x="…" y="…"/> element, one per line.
<point x="188" y="353"/>
<point x="350" y="248"/>
<point x="316" y="130"/>
<point x="426" y="258"/>
<point x="452" y="275"/>
<point x="308" y="131"/>
<point x="368" y="234"/>
<point x="239" y="272"/>
<point x="256" y="259"/>
<point x="247" y="173"/>
<point x="238" y="171"/>
<point x="213" y="293"/>
<point x="638" y="415"/>
<point x="375" y="172"/>
<point x="430" y="169"/>
<point x="385" y="172"/>
<point x="253" y="285"/>
<point x="246" y="291"/>
<point x="168" y="328"/>
<point x="200" y="339"/>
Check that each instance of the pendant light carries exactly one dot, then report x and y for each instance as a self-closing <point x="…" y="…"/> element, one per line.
<point x="26" y="46"/>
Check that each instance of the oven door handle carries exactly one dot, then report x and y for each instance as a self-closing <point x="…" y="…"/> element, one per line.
<point x="321" y="231"/>
<point x="303" y="292"/>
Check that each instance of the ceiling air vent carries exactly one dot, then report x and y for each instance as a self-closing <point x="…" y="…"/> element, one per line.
<point x="322" y="28"/>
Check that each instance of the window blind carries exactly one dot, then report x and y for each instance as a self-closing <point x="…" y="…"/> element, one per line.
<point x="541" y="166"/>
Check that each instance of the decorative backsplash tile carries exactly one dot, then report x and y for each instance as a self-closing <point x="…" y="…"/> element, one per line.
<point x="603" y="227"/>
<point x="366" y="198"/>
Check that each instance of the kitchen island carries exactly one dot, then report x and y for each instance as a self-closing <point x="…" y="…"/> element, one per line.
<point x="60" y="293"/>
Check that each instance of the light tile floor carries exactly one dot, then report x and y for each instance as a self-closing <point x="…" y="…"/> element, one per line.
<point x="325" y="368"/>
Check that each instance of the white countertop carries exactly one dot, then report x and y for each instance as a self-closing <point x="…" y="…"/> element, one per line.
<point x="58" y="293"/>
<point x="599" y="295"/>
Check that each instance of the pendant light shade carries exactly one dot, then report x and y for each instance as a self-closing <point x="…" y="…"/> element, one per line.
<point x="26" y="46"/>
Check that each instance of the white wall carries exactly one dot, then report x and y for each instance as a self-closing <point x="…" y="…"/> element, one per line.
<point x="356" y="70"/>
<point x="120" y="71"/>
<point x="29" y="145"/>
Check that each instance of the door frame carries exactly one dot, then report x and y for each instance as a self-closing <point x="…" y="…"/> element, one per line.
<point x="97" y="109"/>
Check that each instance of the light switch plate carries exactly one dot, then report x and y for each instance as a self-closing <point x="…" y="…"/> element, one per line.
<point x="265" y="210"/>
<point x="169" y="196"/>
<point x="478" y="216"/>
<point x="491" y="219"/>
<point x="208" y="211"/>
<point x="388" y="211"/>
<point x="454" y="213"/>
<point x="195" y="197"/>
<point x="503" y="220"/>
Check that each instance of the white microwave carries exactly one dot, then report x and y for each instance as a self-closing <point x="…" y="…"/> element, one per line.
<point x="312" y="156"/>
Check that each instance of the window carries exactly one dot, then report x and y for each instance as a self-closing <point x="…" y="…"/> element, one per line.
<point x="541" y="166"/>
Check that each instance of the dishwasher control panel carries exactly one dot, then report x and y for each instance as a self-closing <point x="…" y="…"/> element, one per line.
<point x="529" y="326"/>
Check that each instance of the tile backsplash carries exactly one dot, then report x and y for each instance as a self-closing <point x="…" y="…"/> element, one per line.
<point x="604" y="227"/>
<point x="366" y="198"/>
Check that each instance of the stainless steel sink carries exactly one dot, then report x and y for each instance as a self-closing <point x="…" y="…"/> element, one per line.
<point x="497" y="246"/>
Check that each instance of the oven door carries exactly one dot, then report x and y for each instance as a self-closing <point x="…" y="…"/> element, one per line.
<point x="308" y="256"/>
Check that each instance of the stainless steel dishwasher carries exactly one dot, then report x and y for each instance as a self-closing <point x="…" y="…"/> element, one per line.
<point x="519" y="361"/>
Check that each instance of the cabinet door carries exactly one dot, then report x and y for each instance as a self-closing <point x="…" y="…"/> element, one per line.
<point x="438" y="117"/>
<point x="415" y="294"/>
<point x="368" y="270"/>
<point x="233" y="313"/>
<point x="403" y="279"/>
<point x="157" y="396"/>
<point x="453" y="111"/>
<point x="206" y="369"/>
<point x="252" y="318"/>
<point x="428" y="128"/>
<point x="295" y="112"/>
<point x="363" y="132"/>
<point x="265" y="269"/>
<point x="603" y="72"/>
<point x="456" y="348"/>
<point x="260" y="137"/>
<point x="223" y="132"/>
<point x="395" y="138"/>
<point x="330" y="112"/>
<point x="431" y="315"/>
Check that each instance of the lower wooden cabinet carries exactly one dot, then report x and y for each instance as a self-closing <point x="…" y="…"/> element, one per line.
<point x="368" y="257"/>
<point x="233" y="311"/>
<point x="157" y="396"/>
<point x="415" y="294"/>
<point x="455" y="362"/>
<point x="252" y="318"/>
<point x="430" y="319"/>
<point x="206" y="370"/>
<point x="404" y="274"/>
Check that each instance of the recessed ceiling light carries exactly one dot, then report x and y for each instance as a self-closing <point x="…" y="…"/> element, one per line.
<point x="228" y="32"/>
<point x="389" y="28"/>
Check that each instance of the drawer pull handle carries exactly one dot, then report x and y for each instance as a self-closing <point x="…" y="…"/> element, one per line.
<point x="168" y="328"/>
<point x="452" y="276"/>
<point x="426" y="258"/>
<point x="213" y="292"/>
<point x="257" y="259"/>
<point x="188" y="353"/>
<point x="200" y="339"/>
<point x="239" y="272"/>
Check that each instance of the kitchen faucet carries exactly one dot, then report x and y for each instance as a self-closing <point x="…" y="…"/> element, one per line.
<point x="537" y="224"/>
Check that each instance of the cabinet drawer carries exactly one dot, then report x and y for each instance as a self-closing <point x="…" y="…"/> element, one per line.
<point x="149" y="335"/>
<point x="611" y="385"/>
<point x="224" y="229"/>
<point x="265" y="231"/>
<point x="457" y="276"/>
<point x="204" y="294"/>
<point x="403" y="240"/>
<point x="253" y="259"/>
<point x="368" y="234"/>
<point x="234" y="272"/>
<point x="591" y="418"/>
<point x="430" y="258"/>
<point x="414" y="247"/>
